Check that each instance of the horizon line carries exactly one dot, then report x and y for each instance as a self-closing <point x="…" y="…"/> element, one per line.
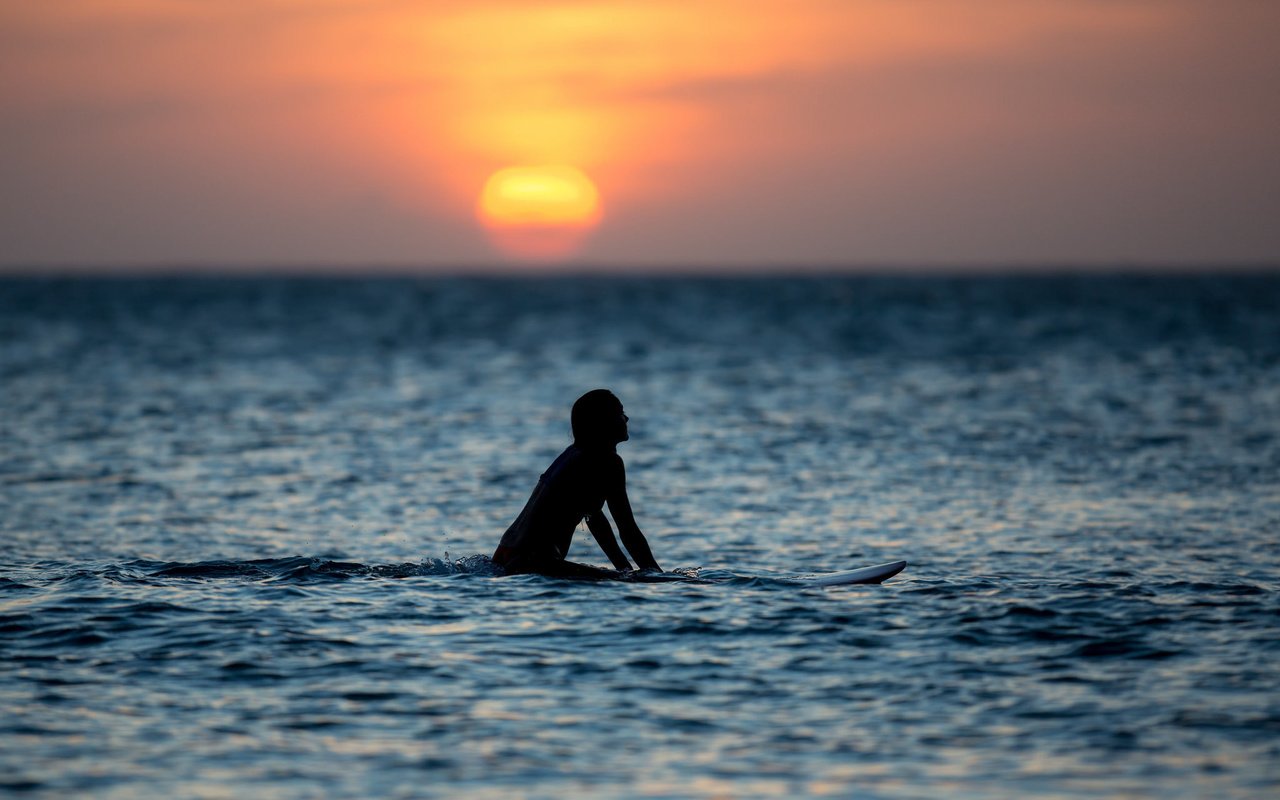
<point x="300" y="269"/>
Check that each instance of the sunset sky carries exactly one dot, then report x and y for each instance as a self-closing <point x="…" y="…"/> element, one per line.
<point x="693" y="133"/>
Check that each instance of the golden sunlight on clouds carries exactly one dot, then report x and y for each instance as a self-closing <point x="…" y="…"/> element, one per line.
<point x="591" y="84"/>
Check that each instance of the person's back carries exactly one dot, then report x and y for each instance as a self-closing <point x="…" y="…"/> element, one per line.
<point x="569" y="491"/>
<point x="588" y="474"/>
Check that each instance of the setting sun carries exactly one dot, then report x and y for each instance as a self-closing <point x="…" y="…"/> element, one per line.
<point x="539" y="212"/>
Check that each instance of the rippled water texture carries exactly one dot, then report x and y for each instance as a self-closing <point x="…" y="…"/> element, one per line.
<point x="240" y="527"/>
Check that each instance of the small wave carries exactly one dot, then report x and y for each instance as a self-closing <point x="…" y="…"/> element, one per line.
<point x="1030" y="611"/>
<point x="307" y="569"/>
<point x="313" y="569"/>
<point x="240" y="670"/>
<point x="21" y="785"/>
<point x="209" y="569"/>
<point x="1121" y="648"/>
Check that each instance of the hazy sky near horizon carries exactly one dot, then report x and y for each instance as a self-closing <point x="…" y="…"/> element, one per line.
<point x="809" y="132"/>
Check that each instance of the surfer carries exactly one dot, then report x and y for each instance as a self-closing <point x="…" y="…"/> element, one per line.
<point x="588" y="474"/>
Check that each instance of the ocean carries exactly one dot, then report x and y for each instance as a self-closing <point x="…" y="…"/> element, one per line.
<point x="244" y="527"/>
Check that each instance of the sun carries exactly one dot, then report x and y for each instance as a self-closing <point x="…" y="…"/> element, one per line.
<point x="539" y="213"/>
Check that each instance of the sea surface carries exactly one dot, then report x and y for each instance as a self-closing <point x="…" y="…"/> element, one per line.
<point x="244" y="527"/>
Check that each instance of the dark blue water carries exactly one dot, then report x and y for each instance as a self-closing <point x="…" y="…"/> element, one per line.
<point x="240" y="527"/>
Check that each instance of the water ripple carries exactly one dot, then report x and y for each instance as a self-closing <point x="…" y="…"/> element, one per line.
<point x="228" y="558"/>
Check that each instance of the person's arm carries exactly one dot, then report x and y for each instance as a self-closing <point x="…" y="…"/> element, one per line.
<point x="598" y="524"/>
<point x="632" y="538"/>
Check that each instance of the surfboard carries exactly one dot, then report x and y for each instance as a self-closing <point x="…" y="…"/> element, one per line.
<point x="877" y="574"/>
<point x="863" y="575"/>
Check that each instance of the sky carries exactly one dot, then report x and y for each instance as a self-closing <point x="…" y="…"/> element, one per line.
<point x="705" y="134"/>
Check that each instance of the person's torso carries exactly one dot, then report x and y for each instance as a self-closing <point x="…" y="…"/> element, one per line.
<point x="573" y="487"/>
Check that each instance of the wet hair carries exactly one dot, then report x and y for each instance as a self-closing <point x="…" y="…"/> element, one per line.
<point x="594" y="416"/>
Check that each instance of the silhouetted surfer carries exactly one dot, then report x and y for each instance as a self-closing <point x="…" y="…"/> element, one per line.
<point x="575" y="487"/>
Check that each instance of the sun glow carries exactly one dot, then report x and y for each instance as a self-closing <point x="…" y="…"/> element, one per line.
<point x="823" y="131"/>
<point x="539" y="213"/>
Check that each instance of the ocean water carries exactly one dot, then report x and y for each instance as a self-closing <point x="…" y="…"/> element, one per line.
<point x="243" y="527"/>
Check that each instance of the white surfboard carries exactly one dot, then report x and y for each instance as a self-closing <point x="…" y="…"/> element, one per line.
<point x="877" y="574"/>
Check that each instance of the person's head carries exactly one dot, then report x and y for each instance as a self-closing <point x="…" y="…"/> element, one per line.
<point x="597" y="419"/>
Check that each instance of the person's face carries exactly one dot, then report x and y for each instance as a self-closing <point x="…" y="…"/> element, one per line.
<point x="622" y="434"/>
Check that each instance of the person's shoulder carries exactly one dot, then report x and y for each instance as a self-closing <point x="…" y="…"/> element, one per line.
<point x="600" y="460"/>
<point x="614" y="465"/>
<point x="575" y="457"/>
